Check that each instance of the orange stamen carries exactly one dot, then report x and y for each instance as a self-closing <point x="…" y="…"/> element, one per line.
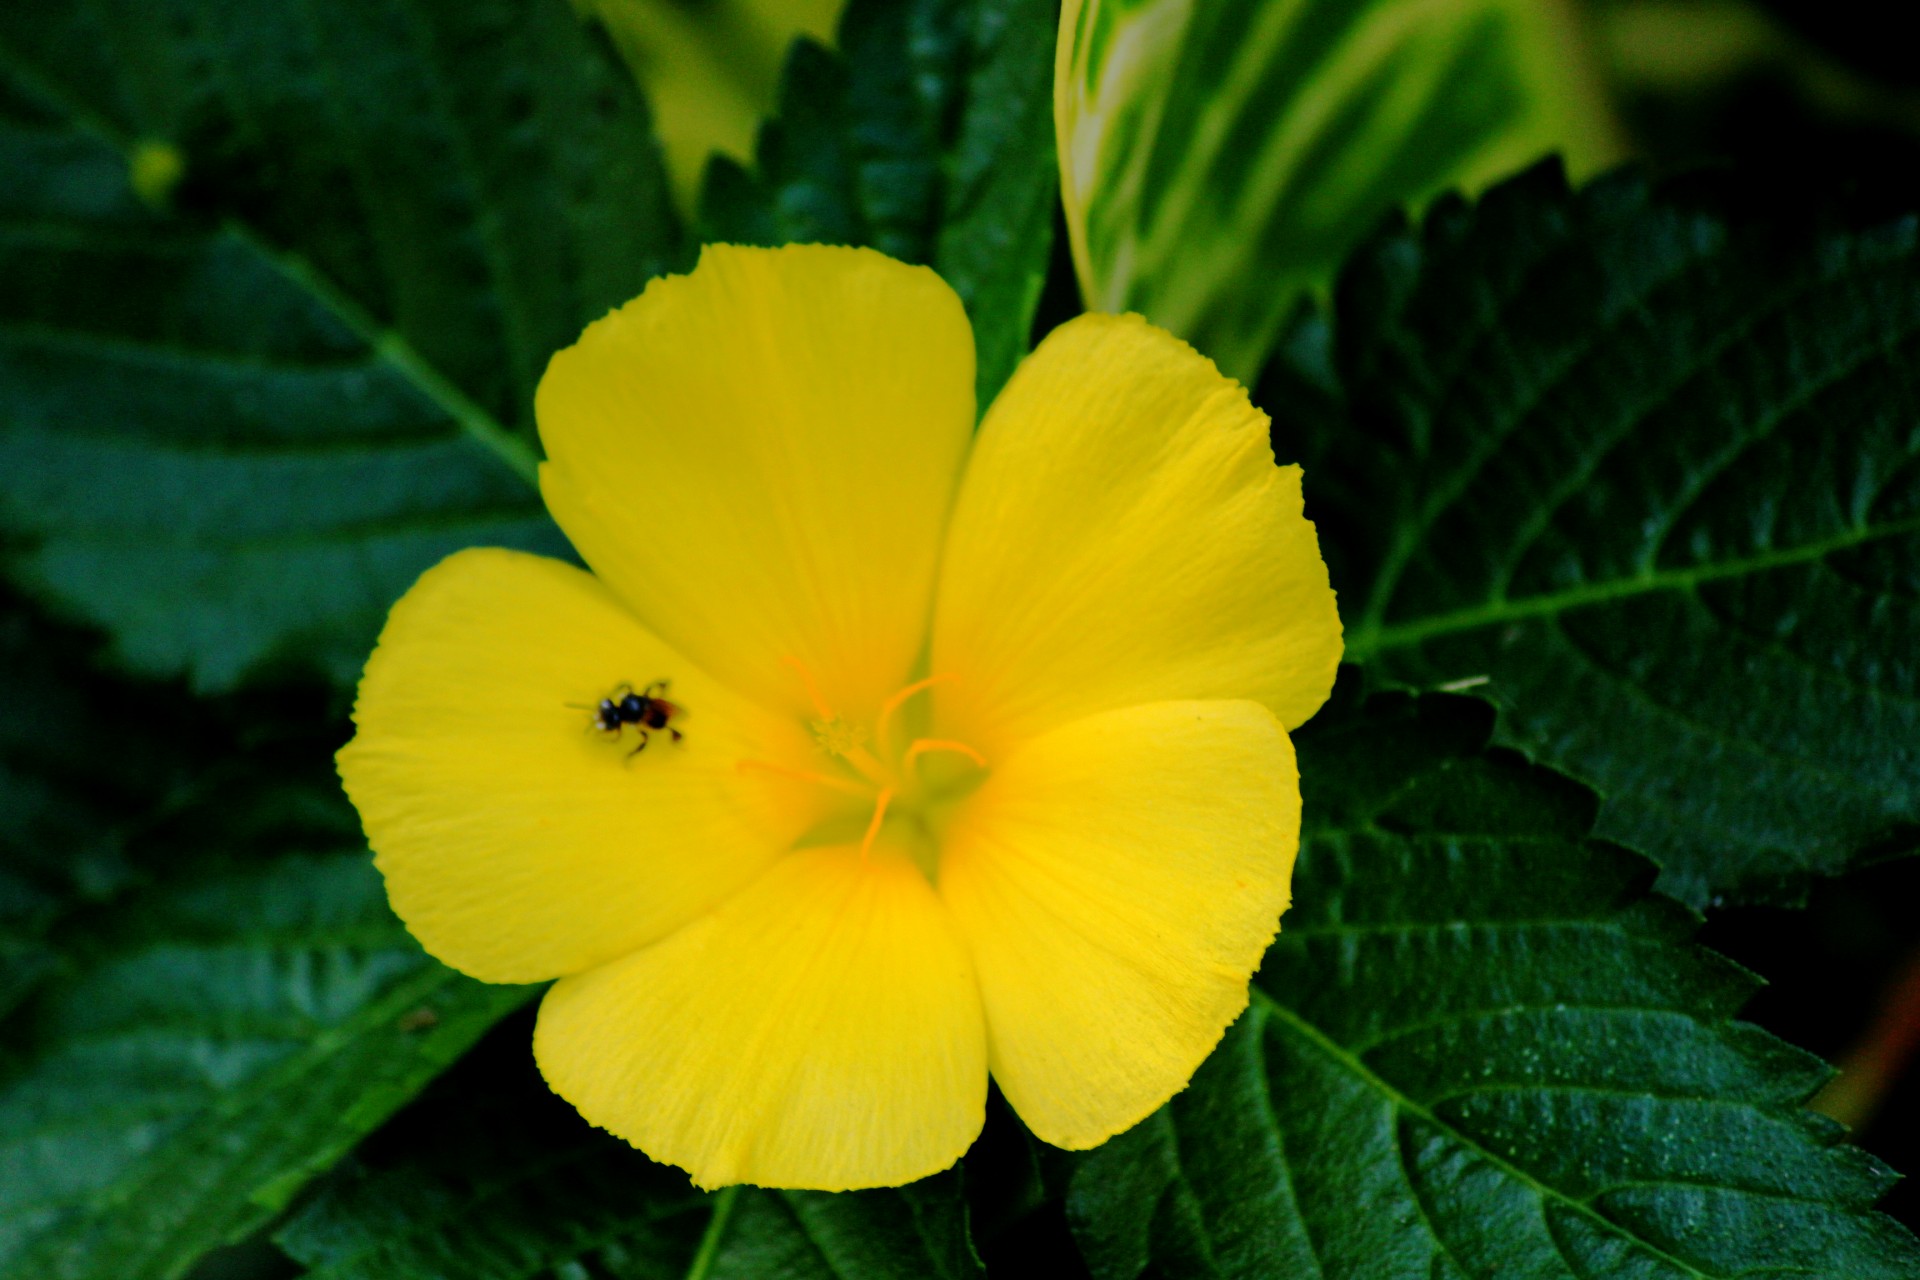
<point x="893" y="704"/>
<point x="923" y="746"/>
<point x="813" y="689"/>
<point x="873" y="827"/>
<point x="804" y="775"/>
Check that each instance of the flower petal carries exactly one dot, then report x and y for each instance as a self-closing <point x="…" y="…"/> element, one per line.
<point x="1123" y="536"/>
<point x="821" y="1029"/>
<point x="517" y="842"/>
<point x="760" y="458"/>
<point x="1117" y="881"/>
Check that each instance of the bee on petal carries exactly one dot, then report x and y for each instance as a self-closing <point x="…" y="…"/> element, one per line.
<point x="646" y="711"/>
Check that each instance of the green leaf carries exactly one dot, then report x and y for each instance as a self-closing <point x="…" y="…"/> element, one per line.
<point x="281" y="278"/>
<point x="1643" y="464"/>
<point x="915" y="1232"/>
<point x="928" y="137"/>
<point x="491" y="1177"/>
<point x="220" y="1041"/>
<point x="1219" y="157"/>
<point x="1481" y="1048"/>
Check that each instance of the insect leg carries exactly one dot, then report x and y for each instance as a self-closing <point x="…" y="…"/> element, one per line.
<point x="643" y="742"/>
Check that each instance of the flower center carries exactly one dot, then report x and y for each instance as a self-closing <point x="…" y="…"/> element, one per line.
<point x="889" y="777"/>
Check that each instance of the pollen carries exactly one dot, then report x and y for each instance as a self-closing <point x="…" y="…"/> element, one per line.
<point x="838" y="736"/>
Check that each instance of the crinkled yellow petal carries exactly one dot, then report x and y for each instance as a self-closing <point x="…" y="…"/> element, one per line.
<point x="821" y="1029"/>
<point x="517" y="842"/>
<point x="1123" y="536"/>
<point x="1116" y="881"/>
<point x="759" y="457"/>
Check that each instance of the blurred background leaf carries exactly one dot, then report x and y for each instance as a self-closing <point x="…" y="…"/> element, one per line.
<point x="1824" y="90"/>
<point x="1640" y="465"/>
<point x="926" y="137"/>
<point x="1480" y="1047"/>
<point x="1218" y="158"/>
<point x="281" y="280"/>
<point x="711" y="70"/>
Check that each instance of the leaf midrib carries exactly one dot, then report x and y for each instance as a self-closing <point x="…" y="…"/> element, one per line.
<point x="1403" y="1103"/>
<point x="1373" y="640"/>
<point x="385" y="344"/>
<point x="392" y="347"/>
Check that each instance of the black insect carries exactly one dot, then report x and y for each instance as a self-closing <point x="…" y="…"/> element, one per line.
<point x="646" y="711"/>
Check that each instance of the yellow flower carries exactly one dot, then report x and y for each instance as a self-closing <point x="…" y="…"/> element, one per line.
<point x="982" y="765"/>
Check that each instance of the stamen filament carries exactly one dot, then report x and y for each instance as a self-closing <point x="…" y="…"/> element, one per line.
<point x="873" y="827"/>
<point x="893" y="704"/>
<point x="924" y="746"/>
<point x="804" y="775"/>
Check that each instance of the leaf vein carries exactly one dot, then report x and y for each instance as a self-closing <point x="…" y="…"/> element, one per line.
<point x="1496" y="436"/>
<point x="1547" y="604"/>
<point x="1339" y="1053"/>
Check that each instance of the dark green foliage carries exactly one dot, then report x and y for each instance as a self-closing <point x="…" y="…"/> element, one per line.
<point x="1644" y="462"/>
<point x="281" y="278"/>
<point x="918" y="1232"/>
<point x="490" y="1177"/>
<point x="928" y="136"/>
<point x="206" y="1001"/>
<point x="106" y="783"/>
<point x="67" y="804"/>
<point x="219" y="1040"/>
<point x="1481" y="1048"/>
<point x="596" y="1207"/>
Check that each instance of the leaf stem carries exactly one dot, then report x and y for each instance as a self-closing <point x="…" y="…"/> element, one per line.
<point x="716" y="1228"/>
